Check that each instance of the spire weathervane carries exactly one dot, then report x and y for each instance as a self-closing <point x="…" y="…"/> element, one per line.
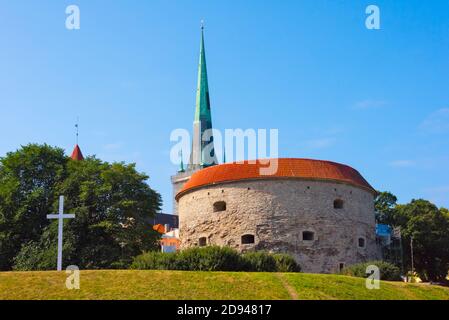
<point x="202" y="24"/>
<point x="77" y="129"/>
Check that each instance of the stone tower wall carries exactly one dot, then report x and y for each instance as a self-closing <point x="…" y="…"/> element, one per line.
<point x="277" y="212"/>
<point x="178" y="182"/>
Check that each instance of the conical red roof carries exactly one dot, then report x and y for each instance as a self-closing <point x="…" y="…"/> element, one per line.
<point x="77" y="155"/>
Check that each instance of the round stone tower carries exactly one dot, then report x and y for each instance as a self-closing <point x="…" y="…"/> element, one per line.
<point x="320" y="212"/>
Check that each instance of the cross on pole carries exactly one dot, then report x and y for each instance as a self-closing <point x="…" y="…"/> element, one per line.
<point x="60" y="216"/>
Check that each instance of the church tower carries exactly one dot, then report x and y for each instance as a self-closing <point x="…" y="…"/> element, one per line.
<point x="203" y="153"/>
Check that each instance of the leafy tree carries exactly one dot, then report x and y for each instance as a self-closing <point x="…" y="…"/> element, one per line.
<point x="27" y="180"/>
<point x="113" y="205"/>
<point x="385" y="207"/>
<point x="445" y="212"/>
<point x="429" y="228"/>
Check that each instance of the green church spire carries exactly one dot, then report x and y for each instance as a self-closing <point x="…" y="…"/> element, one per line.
<point x="203" y="153"/>
<point x="181" y="168"/>
<point x="202" y="110"/>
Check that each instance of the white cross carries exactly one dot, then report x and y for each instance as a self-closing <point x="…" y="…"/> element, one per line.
<point x="61" y="216"/>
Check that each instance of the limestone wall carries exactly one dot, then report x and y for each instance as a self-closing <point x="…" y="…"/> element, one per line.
<point x="277" y="212"/>
<point x="178" y="182"/>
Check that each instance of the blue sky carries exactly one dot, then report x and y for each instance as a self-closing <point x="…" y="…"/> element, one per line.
<point x="377" y="100"/>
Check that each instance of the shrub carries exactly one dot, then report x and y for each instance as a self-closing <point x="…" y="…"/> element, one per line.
<point x="155" y="261"/>
<point x="193" y="259"/>
<point x="209" y="259"/>
<point x="215" y="258"/>
<point x="259" y="261"/>
<point x="286" y="263"/>
<point x="387" y="270"/>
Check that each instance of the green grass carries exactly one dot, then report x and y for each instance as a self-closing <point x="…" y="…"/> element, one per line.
<point x="133" y="284"/>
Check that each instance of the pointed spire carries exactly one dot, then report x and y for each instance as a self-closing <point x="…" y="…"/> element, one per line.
<point x="203" y="118"/>
<point x="181" y="169"/>
<point x="77" y="155"/>
<point x="202" y="110"/>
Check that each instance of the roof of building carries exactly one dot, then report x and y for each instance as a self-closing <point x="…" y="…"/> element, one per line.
<point x="77" y="155"/>
<point x="288" y="168"/>
<point x="159" y="228"/>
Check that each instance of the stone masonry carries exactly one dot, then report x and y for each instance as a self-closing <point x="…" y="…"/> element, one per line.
<point x="277" y="212"/>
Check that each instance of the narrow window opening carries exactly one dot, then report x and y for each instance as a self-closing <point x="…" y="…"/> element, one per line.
<point x="202" y="242"/>
<point x="248" y="239"/>
<point x="361" y="243"/>
<point x="219" y="206"/>
<point x="308" y="236"/>
<point x="338" y="204"/>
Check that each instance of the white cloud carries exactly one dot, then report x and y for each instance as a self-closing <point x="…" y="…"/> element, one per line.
<point x="370" y="104"/>
<point x="436" y="122"/>
<point x="402" y="163"/>
<point x="320" y="143"/>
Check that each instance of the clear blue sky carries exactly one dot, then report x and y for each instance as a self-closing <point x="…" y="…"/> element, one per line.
<point x="375" y="100"/>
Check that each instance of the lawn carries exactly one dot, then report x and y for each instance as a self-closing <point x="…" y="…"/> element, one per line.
<point x="133" y="284"/>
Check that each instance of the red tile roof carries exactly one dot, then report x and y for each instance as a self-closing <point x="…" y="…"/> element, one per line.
<point x="77" y="155"/>
<point x="288" y="168"/>
<point x="159" y="228"/>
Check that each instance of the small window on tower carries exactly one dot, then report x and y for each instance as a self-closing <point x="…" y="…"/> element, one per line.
<point x="248" y="239"/>
<point x="308" y="236"/>
<point x="219" y="206"/>
<point x="338" y="204"/>
<point x="361" y="243"/>
<point x="202" y="242"/>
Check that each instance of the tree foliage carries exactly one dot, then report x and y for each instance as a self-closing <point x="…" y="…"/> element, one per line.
<point x="27" y="192"/>
<point x="113" y="205"/>
<point x="385" y="207"/>
<point x="429" y="228"/>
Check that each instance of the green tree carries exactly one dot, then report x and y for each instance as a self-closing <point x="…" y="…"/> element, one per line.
<point x="385" y="207"/>
<point x="445" y="212"/>
<point x="27" y="180"/>
<point x="429" y="228"/>
<point x="113" y="205"/>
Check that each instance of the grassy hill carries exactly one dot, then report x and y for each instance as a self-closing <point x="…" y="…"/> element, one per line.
<point x="132" y="284"/>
